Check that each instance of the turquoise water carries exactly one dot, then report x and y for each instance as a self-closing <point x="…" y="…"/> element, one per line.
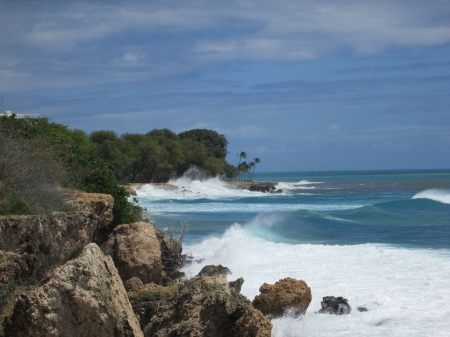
<point x="322" y="207"/>
<point x="381" y="239"/>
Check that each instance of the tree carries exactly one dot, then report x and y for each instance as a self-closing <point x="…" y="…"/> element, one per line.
<point x="215" y="143"/>
<point x="240" y="155"/>
<point x="256" y="161"/>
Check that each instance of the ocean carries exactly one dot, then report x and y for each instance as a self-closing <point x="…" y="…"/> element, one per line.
<point x="380" y="239"/>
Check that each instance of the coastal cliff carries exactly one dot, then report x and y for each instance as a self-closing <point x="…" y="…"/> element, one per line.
<point x="67" y="285"/>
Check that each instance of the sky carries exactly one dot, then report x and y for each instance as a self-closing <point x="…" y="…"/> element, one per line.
<point x="302" y="85"/>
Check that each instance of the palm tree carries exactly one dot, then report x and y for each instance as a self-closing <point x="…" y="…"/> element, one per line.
<point x="256" y="161"/>
<point x="252" y="166"/>
<point x="240" y="155"/>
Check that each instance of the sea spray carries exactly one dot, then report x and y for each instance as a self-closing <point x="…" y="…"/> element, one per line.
<point x="403" y="299"/>
<point x="436" y="194"/>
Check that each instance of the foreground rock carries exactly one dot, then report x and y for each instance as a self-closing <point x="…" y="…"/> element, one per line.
<point x="85" y="297"/>
<point x="136" y="252"/>
<point x="335" y="306"/>
<point x="287" y="294"/>
<point x="206" y="307"/>
<point x="41" y="242"/>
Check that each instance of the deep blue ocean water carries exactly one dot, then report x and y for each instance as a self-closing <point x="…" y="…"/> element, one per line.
<point x="379" y="238"/>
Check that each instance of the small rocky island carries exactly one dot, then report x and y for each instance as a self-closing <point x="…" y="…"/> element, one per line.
<point x="70" y="282"/>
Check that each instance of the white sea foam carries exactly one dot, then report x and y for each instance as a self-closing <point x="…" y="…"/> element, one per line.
<point x="300" y="185"/>
<point x="436" y="194"/>
<point x="213" y="189"/>
<point x="405" y="290"/>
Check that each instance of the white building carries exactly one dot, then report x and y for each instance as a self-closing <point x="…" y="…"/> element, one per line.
<point x="8" y="113"/>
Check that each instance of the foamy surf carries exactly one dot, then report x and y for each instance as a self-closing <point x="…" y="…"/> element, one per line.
<point x="300" y="185"/>
<point x="403" y="299"/>
<point x="187" y="189"/>
<point x="436" y="194"/>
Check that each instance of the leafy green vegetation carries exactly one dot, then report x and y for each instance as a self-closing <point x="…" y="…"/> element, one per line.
<point x="161" y="154"/>
<point x="150" y="294"/>
<point x="38" y="156"/>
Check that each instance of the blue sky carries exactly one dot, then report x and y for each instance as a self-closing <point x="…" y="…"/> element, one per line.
<point x="303" y="85"/>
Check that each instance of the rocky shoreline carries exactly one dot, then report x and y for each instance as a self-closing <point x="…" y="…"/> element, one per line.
<point x="78" y="286"/>
<point x="253" y="186"/>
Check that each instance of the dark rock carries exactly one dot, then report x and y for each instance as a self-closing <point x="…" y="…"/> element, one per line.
<point x="212" y="270"/>
<point x="236" y="285"/>
<point x="362" y="309"/>
<point x="176" y="274"/>
<point x="335" y="306"/>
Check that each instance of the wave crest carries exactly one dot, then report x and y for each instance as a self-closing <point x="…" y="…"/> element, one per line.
<point x="436" y="194"/>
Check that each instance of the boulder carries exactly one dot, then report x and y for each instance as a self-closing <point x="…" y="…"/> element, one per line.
<point x="133" y="284"/>
<point x="84" y="297"/>
<point x="135" y="251"/>
<point x="212" y="270"/>
<point x="205" y="306"/>
<point x="46" y="241"/>
<point x="335" y="306"/>
<point x="287" y="294"/>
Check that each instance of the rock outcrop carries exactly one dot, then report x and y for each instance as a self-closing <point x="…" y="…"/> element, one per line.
<point x="335" y="306"/>
<point x="136" y="252"/>
<point x="84" y="297"/>
<point x="44" y="241"/>
<point x="205" y="306"/>
<point x="212" y="270"/>
<point x="287" y="294"/>
<point x="97" y="203"/>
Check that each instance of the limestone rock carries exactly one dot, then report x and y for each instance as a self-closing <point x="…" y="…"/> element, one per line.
<point x="45" y="241"/>
<point x="286" y="294"/>
<point x="84" y="297"/>
<point x="136" y="252"/>
<point x="212" y="270"/>
<point x="11" y="264"/>
<point x="97" y="203"/>
<point x="132" y="284"/>
<point x="335" y="306"/>
<point x="205" y="306"/>
<point x="236" y="285"/>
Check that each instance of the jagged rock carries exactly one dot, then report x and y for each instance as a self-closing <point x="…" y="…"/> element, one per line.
<point x="132" y="284"/>
<point x="11" y="264"/>
<point x="362" y="309"/>
<point x="136" y="252"/>
<point x="236" y="285"/>
<point x="84" y="297"/>
<point x="212" y="270"/>
<point x="335" y="306"/>
<point x="97" y="203"/>
<point x="45" y="241"/>
<point x="286" y="294"/>
<point x="205" y="306"/>
<point x="176" y="274"/>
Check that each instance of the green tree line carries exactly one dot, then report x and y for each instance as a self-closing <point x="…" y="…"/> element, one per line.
<point x="161" y="154"/>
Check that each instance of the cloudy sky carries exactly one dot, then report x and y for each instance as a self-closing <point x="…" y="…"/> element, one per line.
<point x="303" y="85"/>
